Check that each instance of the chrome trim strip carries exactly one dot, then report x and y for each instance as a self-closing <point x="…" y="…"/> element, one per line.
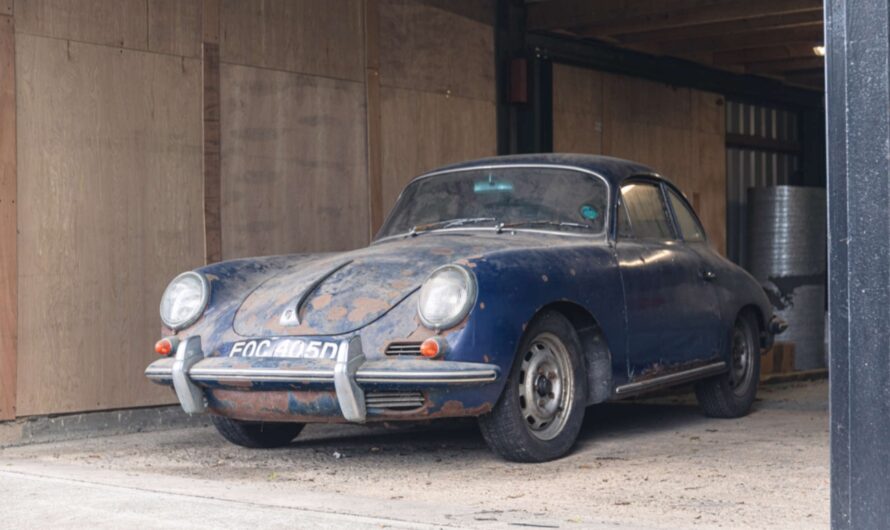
<point x="484" y="375"/>
<point x="601" y="233"/>
<point x="670" y="379"/>
<point x="267" y="375"/>
<point x="209" y="375"/>
<point x="190" y="395"/>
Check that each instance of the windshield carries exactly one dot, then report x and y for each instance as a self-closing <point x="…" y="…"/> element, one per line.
<point x="510" y="197"/>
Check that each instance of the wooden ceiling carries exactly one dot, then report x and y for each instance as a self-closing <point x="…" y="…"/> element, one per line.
<point x="774" y="38"/>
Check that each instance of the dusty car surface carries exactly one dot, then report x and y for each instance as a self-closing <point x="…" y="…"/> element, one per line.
<point x="518" y="290"/>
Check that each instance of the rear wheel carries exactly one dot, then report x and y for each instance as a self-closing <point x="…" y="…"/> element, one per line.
<point x="541" y="409"/>
<point x="256" y="435"/>
<point x="731" y="395"/>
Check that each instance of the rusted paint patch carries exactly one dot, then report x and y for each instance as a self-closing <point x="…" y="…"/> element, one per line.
<point x="362" y="307"/>
<point x="320" y="302"/>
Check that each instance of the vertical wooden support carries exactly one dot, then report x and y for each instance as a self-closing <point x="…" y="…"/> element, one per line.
<point x="372" y="87"/>
<point x="212" y="153"/>
<point x="8" y="269"/>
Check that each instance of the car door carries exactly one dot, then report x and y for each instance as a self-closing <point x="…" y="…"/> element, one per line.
<point x="669" y="305"/>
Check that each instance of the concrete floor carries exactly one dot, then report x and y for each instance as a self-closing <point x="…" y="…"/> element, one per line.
<point x="651" y="464"/>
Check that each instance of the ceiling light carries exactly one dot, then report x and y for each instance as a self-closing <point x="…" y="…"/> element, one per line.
<point x="819" y="50"/>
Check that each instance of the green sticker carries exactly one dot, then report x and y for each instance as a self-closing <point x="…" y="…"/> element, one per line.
<point x="589" y="212"/>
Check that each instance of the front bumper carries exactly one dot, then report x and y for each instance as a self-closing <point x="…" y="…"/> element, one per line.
<point x="221" y="382"/>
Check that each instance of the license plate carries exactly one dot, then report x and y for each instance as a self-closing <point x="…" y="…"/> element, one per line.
<point x="286" y="348"/>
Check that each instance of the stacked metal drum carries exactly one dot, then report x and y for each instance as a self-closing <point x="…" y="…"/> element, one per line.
<point x="787" y="254"/>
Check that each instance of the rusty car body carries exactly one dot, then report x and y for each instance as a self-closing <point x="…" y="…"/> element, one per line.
<point x="340" y="337"/>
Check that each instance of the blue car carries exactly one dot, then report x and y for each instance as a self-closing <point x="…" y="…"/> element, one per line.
<point x="518" y="290"/>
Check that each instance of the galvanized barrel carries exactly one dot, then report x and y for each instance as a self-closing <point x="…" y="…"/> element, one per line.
<point x="787" y="253"/>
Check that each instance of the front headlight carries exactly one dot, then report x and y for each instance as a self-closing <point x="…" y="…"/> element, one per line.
<point x="184" y="300"/>
<point x="446" y="296"/>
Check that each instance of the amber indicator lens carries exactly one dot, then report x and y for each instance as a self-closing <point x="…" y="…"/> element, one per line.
<point x="163" y="347"/>
<point x="430" y="348"/>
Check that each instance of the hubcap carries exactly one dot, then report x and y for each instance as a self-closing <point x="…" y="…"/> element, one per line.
<point x="546" y="386"/>
<point x="741" y="371"/>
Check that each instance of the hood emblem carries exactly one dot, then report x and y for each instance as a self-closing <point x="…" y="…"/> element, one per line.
<point x="291" y="315"/>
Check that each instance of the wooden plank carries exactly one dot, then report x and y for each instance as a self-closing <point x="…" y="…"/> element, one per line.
<point x="435" y="50"/>
<point x="424" y="130"/>
<point x="294" y="168"/>
<point x="577" y="110"/>
<point x="786" y="65"/>
<point x="121" y="23"/>
<point x="372" y="98"/>
<point x="596" y="19"/>
<point x="8" y="259"/>
<point x="112" y="140"/>
<point x="175" y="26"/>
<point x="6" y="7"/>
<point x="212" y="156"/>
<point x="211" y="21"/>
<point x="765" y="53"/>
<point x="754" y="39"/>
<point x="311" y="36"/>
<point x="754" y="23"/>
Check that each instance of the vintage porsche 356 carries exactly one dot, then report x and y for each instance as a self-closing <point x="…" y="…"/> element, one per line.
<point x="518" y="290"/>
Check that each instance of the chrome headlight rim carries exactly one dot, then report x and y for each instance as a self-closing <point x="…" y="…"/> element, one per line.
<point x="202" y="306"/>
<point x="472" y="291"/>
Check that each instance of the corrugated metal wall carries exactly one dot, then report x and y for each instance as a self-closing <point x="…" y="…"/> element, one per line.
<point x="754" y="166"/>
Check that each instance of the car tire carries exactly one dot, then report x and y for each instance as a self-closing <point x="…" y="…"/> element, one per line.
<point x="256" y="435"/>
<point x="730" y="395"/>
<point x="536" y="420"/>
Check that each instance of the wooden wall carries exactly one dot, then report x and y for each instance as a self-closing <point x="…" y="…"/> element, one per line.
<point x="679" y="132"/>
<point x="437" y="87"/>
<point x="109" y="193"/>
<point x="294" y="174"/>
<point x="153" y="135"/>
<point x="8" y="259"/>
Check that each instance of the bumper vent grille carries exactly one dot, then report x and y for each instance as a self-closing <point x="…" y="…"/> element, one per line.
<point x="403" y="348"/>
<point x="395" y="401"/>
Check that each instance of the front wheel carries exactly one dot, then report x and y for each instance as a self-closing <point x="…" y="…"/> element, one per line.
<point x="256" y="435"/>
<point x="540" y="412"/>
<point x="731" y="395"/>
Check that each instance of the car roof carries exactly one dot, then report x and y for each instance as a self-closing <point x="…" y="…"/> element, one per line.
<point x="614" y="170"/>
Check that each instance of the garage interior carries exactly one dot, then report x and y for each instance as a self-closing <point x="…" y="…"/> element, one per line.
<point x="141" y="138"/>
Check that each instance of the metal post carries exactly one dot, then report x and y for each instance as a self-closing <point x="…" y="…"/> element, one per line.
<point x="858" y="82"/>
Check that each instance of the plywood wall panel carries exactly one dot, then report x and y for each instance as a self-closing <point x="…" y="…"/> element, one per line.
<point x="121" y="23"/>
<point x="110" y="209"/>
<point x="8" y="259"/>
<point x="175" y="27"/>
<point x="294" y="167"/>
<point x="679" y="132"/>
<point x="423" y="130"/>
<point x="321" y="37"/>
<point x="423" y="47"/>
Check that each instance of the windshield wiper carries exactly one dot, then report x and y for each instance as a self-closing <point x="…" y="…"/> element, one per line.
<point x="449" y="223"/>
<point x="562" y="224"/>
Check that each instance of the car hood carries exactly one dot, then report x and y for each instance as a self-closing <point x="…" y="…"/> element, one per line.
<point x="340" y="293"/>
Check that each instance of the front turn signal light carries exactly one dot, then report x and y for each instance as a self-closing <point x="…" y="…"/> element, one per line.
<point x="166" y="346"/>
<point x="433" y="347"/>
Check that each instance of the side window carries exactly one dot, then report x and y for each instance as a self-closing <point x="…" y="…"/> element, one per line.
<point x="689" y="225"/>
<point x="646" y="211"/>
<point x="625" y="230"/>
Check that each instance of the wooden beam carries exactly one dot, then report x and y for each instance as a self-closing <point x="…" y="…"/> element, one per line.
<point x="372" y="95"/>
<point x="785" y="65"/>
<point x="755" y="39"/>
<point x="787" y="20"/>
<point x="212" y="133"/>
<point x="8" y="227"/>
<point x="628" y="16"/>
<point x="766" y="53"/>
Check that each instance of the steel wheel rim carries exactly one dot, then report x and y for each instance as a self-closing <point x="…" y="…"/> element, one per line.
<point x="741" y="369"/>
<point x="546" y="386"/>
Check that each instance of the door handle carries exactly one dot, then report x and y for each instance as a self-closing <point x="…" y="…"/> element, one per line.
<point x="708" y="276"/>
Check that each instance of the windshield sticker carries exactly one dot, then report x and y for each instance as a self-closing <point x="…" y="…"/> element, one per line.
<point x="589" y="212"/>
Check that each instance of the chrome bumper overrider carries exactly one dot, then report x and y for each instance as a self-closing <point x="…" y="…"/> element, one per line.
<point x="189" y="371"/>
